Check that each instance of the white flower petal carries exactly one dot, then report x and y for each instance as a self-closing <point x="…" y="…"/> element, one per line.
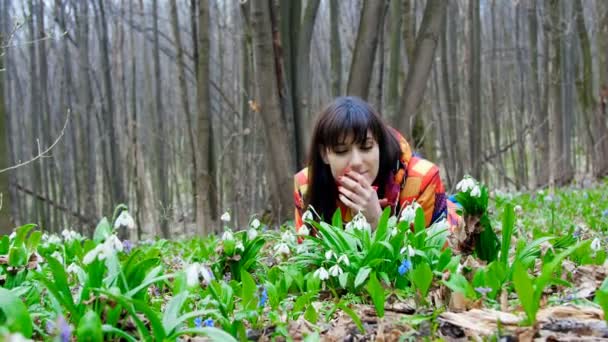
<point x="225" y="217"/>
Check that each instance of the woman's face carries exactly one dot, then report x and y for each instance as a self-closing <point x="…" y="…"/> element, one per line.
<point x="363" y="159"/>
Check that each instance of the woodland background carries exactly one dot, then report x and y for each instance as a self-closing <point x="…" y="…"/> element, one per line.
<point x="185" y="109"/>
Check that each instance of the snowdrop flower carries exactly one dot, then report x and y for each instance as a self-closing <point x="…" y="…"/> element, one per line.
<point x="301" y="248"/>
<point x="288" y="237"/>
<point x="329" y="255"/>
<point x="466" y="184"/>
<point x="54" y="239"/>
<point x="13" y="235"/>
<point x="344" y="260"/>
<point x="335" y="270"/>
<point x="192" y="274"/>
<point x="227" y="236"/>
<point x="392" y="221"/>
<point x="358" y="222"/>
<point x="104" y="250"/>
<point x="239" y="246"/>
<point x="408" y="214"/>
<point x="252" y="234"/>
<point x="69" y="235"/>
<point x="255" y="224"/>
<point x="282" y="248"/>
<point x="321" y="273"/>
<point x="459" y="269"/>
<point x="518" y="209"/>
<point x="58" y="256"/>
<point x="596" y="245"/>
<point x="124" y="220"/>
<point x="225" y="217"/>
<point x="307" y="216"/>
<point x="476" y="191"/>
<point x="303" y="231"/>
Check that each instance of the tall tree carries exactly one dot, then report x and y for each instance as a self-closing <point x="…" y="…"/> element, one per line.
<point x="394" y="59"/>
<point x="207" y="197"/>
<point x="370" y="28"/>
<point x="420" y="67"/>
<point x="117" y="186"/>
<point x="266" y="90"/>
<point x="183" y="89"/>
<point x="161" y="140"/>
<point x="335" y="48"/>
<point x="475" y="88"/>
<point x="6" y="223"/>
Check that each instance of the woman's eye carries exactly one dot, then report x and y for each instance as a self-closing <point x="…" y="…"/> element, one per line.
<point x="340" y="151"/>
<point x="367" y="147"/>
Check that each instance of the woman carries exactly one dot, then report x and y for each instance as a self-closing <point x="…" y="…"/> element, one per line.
<point x="359" y="164"/>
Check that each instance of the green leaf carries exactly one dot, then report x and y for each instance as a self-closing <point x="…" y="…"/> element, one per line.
<point x="311" y="314"/>
<point x="102" y="231"/>
<point x="22" y="232"/>
<point x="419" y="221"/>
<point x="33" y="241"/>
<point x="108" y="329"/>
<point x="336" y="220"/>
<point x="248" y="291"/>
<point x="422" y="277"/>
<point x="362" y="275"/>
<point x="376" y="292"/>
<point x="525" y="291"/>
<point x="353" y="315"/>
<point x="173" y="309"/>
<point x="15" y="315"/>
<point x="458" y="283"/>
<point x="508" y="223"/>
<point x="343" y="279"/>
<point x="4" y="244"/>
<point x="214" y="334"/>
<point x="90" y="327"/>
<point x="17" y="255"/>
<point x="382" y="228"/>
<point x="487" y="245"/>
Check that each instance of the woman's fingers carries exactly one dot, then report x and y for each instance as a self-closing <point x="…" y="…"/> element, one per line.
<point x="353" y="197"/>
<point x="349" y="203"/>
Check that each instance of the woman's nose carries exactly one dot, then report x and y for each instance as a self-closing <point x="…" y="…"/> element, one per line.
<point x="355" y="159"/>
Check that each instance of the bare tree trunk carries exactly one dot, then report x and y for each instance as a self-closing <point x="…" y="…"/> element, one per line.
<point x="184" y="97"/>
<point x="206" y="193"/>
<point x="394" y="60"/>
<point x="6" y="222"/>
<point x="520" y="169"/>
<point x="267" y="93"/>
<point x="138" y="183"/>
<point x="494" y="93"/>
<point x="117" y="186"/>
<point x="475" y="88"/>
<point x="335" y="48"/>
<point x="420" y="67"/>
<point x="361" y="68"/>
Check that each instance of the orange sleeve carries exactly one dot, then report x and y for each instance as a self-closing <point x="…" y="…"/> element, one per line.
<point x="426" y="199"/>
<point x="299" y="204"/>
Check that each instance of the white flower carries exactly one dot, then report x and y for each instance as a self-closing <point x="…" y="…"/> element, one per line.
<point x="411" y="252"/>
<point x="394" y="231"/>
<point x="321" y="273"/>
<point x="124" y="220"/>
<point x="252" y="234"/>
<point x="58" y="256"/>
<point x="54" y="239"/>
<point x="227" y="236"/>
<point x="225" y="217"/>
<point x="408" y="214"/>
<point x="239" y="246"/>
<point x="104" y="250"/>
<point x="344" y="259"/>
<point x="476" y="191"/>
<point x="329" y="255"/>
<point x="303" y="230"/>
<point x="596" y="245"/>
<point x="192" y="274"/>
<point x="69" y="235"/>
<point x="441" y="225"/>
<point x="288" y="237"/>
<point x="12" y="236"/>
<point x="307" y="216"/>
<point x="466" y="184"/>
<point x="392" y="221"/>
<point x="518" y="209"/>
<point x="335" y="270"/>
<point x="255" y="224"/>
<point x="73" y="268"/>
<point x="459" y="269"/>
<point x="358" y="222"/>
<point x="195" y="271"/>
<point x="282" y="248"/>
<point x="301" y="248"/>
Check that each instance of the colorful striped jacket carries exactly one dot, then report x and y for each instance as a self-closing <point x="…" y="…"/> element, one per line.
<point x="416" y="179"/>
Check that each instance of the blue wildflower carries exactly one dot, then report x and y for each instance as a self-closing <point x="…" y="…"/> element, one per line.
<point x="127" y="245"/>
<point x="263" y="297"/>
<point x="483" y="290"/>
<point x="65" y="331"/>
<point x="406" y="265"/>
<point x="198" y="322"/>
<point x="605" y="213"/>
<point x="208" y="322"/>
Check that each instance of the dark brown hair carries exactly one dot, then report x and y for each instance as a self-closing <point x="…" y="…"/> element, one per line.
<point x="344" y="117"/>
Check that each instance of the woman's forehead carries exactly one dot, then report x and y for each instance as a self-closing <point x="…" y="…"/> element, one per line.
<point x="349" y="138"/>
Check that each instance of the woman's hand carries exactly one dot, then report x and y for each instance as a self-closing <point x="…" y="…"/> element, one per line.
<point x="356" y="193"/>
